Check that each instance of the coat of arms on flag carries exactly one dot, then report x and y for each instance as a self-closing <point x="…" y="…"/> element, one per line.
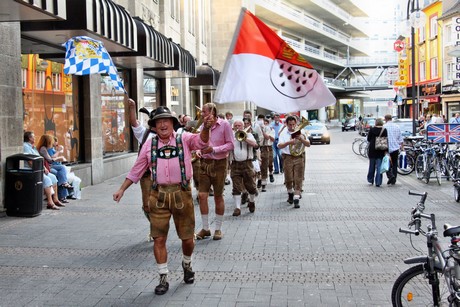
<point x="263" y="68"/>
<point x="85" y="56"/>
<point x="443" y="133"/>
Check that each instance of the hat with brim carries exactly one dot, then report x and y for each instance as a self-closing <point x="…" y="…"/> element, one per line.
<point x="162" y="112"/>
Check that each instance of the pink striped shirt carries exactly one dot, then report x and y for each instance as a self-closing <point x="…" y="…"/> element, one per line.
<point x="221" y="140"/>
<point x="168" y="170"/>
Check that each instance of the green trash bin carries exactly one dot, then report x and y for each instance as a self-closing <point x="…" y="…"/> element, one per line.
<point x="24" y="185"/>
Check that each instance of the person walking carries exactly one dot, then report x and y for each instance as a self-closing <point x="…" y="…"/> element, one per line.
<point x="276" y="125"/>
<point x="375" y="155"/>
<point x="213" y="171"/>
<point x="266" y="152"/>
<point x="242" y="168"/>
<point x="168" y="155"/>
<point x="292" y="144"/>
<point x="395" y="143"/>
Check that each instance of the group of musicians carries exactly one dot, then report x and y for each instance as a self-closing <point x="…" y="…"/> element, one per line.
<point x="251" y="161"/>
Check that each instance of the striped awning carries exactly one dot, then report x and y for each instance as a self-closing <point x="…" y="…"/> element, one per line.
<point x="111" y="21"/>
<point x="184" y="61"/>
<point x="206" y="77"/>
<point x="99" y="19"/>
<point x="32" y="10"/>
<point x="157" y="54"/>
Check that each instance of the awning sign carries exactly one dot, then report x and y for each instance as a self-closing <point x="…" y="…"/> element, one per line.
<point x="443" y="133"/>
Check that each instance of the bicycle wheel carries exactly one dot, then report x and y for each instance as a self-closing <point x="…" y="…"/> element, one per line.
<point x="412" y="288"/>
<point x="419" y="167"/>
<point x="363" y="148"/>
<point x="437" y="168"/>
<point x="409" y="167"/>
<point x="355" y="146"/>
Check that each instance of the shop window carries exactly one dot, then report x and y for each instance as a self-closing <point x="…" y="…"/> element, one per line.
<point x="50" y="109"/>
<point x="115" y="126"/>
<point x="151" y="92"/>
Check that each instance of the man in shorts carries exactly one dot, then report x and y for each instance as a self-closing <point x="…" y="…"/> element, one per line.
<point x="168" y="154"/>
<point x="213" y="172"/>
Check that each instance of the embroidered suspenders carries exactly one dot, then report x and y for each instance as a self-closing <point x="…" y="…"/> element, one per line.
<point x="167" y="152"/>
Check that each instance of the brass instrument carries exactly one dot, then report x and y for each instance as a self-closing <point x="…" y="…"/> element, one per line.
<point x="241" y="135"/>
<point x="199" y="118"/>
<point x="298" y="148"/>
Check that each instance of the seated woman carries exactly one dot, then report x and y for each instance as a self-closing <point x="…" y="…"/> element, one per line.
<point x="56" y="152"/>
<point x="46" y="141"/>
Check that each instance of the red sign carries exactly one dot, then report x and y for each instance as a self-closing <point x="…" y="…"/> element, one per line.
<point x="398" y="45"/>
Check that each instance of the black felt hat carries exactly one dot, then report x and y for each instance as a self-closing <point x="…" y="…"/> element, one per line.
<point x="161" y="112"/>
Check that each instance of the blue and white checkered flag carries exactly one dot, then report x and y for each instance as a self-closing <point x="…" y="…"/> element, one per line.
<point x="85" y="56"/>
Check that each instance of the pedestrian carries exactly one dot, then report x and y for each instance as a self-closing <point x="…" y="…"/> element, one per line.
<point x="276" y="125"/>
<point x="375" y="155"/>
<point x="456" y="119"/>
<point x="168" y="155"/>
<point x="213" y="171"/>
<point x="242" y="168"/>
<point x="292" y="143"/>
<point x="395" y="143"/>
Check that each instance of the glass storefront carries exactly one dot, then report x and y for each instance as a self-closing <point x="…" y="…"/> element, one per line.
<point x="115" y="123"/>
<point x="48" y="103"/>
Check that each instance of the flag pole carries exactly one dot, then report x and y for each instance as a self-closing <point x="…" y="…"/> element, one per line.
<point x="229" y="55"/>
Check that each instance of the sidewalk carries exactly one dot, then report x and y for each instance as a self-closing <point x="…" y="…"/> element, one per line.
<point x="341" y="248"/>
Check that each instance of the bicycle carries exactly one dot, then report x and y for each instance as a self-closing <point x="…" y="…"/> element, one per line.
<point x="435" y="280"/>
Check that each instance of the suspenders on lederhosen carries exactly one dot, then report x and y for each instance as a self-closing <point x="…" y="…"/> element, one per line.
<point x="154" y="148"/>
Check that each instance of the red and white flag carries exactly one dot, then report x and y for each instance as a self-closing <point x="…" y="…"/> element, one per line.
<point x="263" y="68"/>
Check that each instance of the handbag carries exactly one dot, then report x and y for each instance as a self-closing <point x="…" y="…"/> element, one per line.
<point x="381" y="142"/>
<point x="385" y="165"/>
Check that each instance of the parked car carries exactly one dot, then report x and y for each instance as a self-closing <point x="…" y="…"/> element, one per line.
<point x="349" y="124"/>
<point x="366" y="124"/>
<point x="318" y="133"/>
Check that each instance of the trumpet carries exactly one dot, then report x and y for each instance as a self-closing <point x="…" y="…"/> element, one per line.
<point x="199" y="118"/>
<point x="241" y="135"/>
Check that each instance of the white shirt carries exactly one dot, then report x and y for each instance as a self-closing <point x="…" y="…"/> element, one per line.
<point x="242" y="151"/>
<point x="285" y="136"/>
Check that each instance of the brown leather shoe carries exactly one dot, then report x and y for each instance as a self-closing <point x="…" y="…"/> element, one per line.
<point x="217" y="235"/>
<point x="203" y="234"/>
<point x="252" y="207"/>
<point x="236" y="212"/>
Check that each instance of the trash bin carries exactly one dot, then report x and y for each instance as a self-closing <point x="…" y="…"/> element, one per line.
<point x="24" y="185"/>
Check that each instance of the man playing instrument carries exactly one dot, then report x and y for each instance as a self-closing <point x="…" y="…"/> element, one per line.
<point x="266" y="138"/>
<point x="292" y="143"/>
<point x="242" y="169"/>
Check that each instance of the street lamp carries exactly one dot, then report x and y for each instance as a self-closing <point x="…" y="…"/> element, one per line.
<point x="416" y="19"/>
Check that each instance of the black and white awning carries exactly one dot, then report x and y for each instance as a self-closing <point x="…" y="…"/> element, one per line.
<point x="99" y="19"/>
<point x="32" y="10"/>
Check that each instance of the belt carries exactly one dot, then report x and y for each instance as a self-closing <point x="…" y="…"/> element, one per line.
<point x="242" y="161"/>
<point x="170" y="187"/>
<point x="211" y="160"/>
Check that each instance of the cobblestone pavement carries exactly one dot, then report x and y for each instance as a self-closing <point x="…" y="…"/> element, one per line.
<point x="341" y="248"/>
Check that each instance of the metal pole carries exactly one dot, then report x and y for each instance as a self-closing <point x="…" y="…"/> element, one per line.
<point x="414" y="99"/>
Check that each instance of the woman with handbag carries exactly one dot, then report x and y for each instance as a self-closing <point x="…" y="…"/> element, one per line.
<point x="376" y="137"/>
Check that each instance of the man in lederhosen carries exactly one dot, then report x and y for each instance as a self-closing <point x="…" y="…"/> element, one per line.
<point x="242" y="169"/>
<point x="168" y="155"/>
<point x="266" y="138"/>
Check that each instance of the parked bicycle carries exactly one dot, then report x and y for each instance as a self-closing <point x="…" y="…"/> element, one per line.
<point x="435" y="280"/>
